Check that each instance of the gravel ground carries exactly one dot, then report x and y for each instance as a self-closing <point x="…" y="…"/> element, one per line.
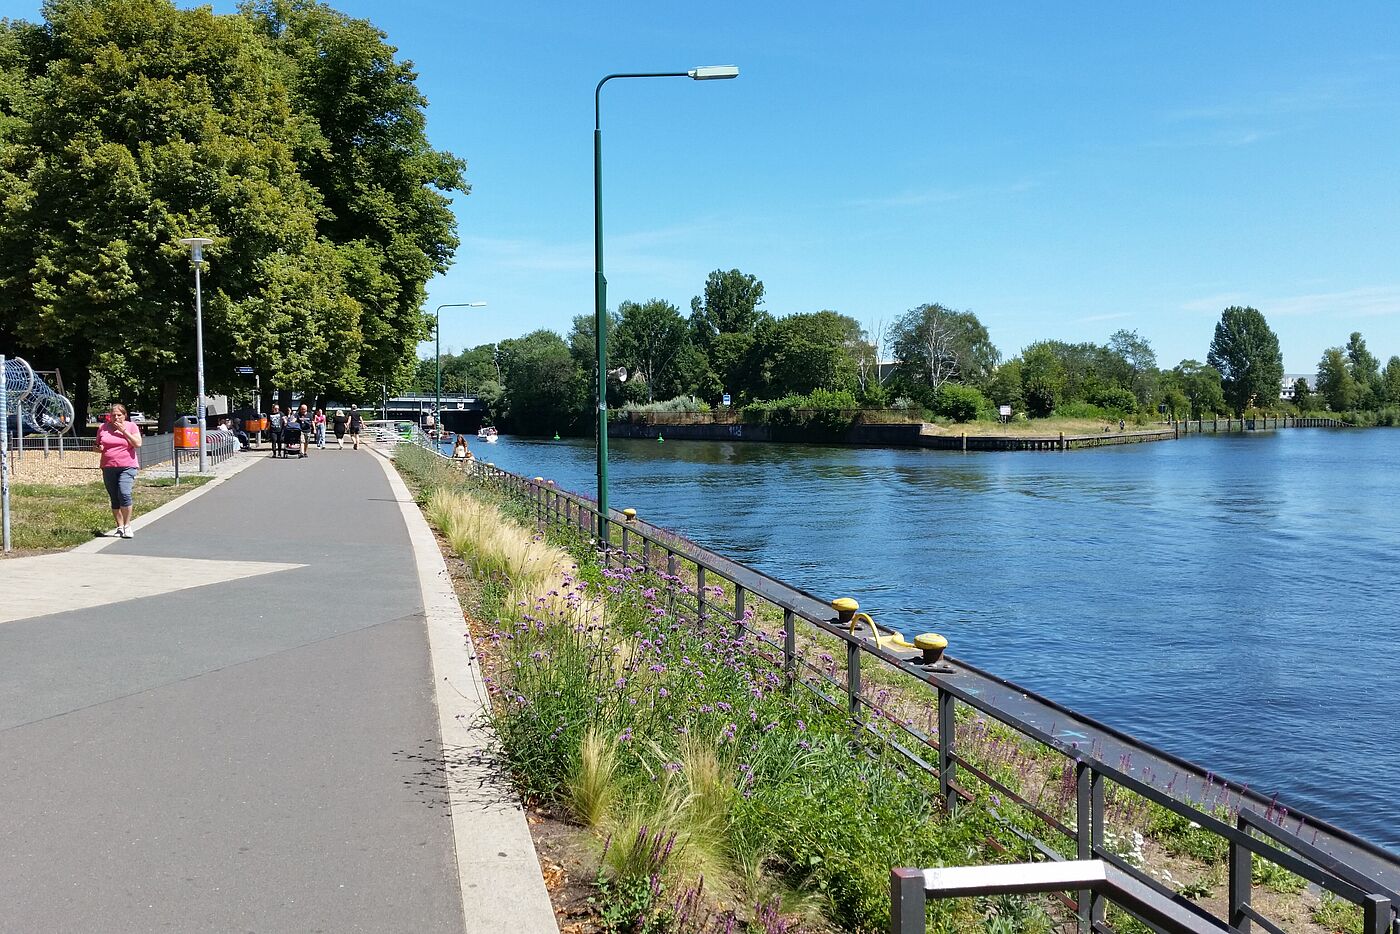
<point x="74" y="469"/>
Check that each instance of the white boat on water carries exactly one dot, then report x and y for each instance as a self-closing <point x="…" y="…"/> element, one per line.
<point x="486" y="434"/>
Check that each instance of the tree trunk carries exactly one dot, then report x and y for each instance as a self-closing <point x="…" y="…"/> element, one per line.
<point x="168" y="389"/>
<point x="81" y="376"/>
<point x="284" y="399"/>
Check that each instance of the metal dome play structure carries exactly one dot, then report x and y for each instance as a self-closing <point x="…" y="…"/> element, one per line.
<point x="28" y="406"/>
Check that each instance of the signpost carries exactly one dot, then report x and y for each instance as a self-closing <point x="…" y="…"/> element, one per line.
<point x="726" y="398"/>
<point x="1005" y="413"/>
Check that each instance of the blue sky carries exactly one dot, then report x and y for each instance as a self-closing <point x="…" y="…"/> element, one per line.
<point x="1063" y="170"/>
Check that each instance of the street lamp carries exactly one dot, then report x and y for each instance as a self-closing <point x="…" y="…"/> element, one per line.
<point x="196" y="247"/>
<point x="437" y="333"/>
<point x="600" y="282"/>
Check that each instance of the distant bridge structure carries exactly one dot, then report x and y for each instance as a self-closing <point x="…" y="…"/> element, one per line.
<point x="462" y="412"/>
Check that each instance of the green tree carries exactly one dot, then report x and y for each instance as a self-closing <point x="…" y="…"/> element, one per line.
<point x="1390" y="381"/>
<point x="726" y="322"/>
<point x="1334" y="380"/>
<point x="1042" y="379"/>
<point x="1005" y="386"/>
<point x="1201" y="384"/>
<point x="1139" y="362"/>
<point x="1302" y="395"/>
<point x="1365" y="372"/>
<point x="805" y="352"/>
<point x="934" y="345"/>
<point x="363" y="145"/>
<point x="545" y="391"/>
<point x="649" y="340"/>
<point x="1246" y="352"/>
<point x="139" y="124"/>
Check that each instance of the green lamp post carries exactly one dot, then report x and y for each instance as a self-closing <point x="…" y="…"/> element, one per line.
<point x="600" y="284"/>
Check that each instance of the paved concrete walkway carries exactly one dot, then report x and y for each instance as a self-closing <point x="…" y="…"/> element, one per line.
<point x="257" y="745"/>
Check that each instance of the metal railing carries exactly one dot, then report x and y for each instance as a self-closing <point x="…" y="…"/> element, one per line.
<point x="219" y="445"/>
<point x="1100" y="759"/>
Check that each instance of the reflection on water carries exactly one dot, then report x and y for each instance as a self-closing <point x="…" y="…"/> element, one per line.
<point x="1229" y="598"/>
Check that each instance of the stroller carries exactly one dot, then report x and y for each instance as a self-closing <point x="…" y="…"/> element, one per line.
<point x="291" y="436"/>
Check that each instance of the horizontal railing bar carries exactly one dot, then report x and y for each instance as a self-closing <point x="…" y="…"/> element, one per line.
<point x="1314" y="855"/>
<point x="1249" y="912"/>
<point x="1014" y="796"/>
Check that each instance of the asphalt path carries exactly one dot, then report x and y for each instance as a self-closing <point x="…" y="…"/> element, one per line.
<point x="259" y="754"/>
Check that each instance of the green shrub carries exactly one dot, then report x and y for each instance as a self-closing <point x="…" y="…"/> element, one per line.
<point x="1114" y="399"/>
<point x="1082" y="410"/>
<point x="958" y="402"/>
<point x="678" y="404"/>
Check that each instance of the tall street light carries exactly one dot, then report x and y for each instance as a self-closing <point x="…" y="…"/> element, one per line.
<point x="196" y="247"/>
<point x="600" y="284"/>
<point x="437" y="333"/>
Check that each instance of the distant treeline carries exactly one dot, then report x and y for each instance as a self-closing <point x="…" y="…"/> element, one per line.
<point x="944" y="362"/>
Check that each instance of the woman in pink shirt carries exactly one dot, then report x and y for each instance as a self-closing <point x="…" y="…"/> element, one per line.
<point x="118" y="439"/>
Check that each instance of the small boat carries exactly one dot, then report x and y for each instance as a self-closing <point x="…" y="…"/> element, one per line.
<point x="486" y="434"/>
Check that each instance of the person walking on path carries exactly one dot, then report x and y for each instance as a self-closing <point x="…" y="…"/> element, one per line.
<point x="304" y="423"/>
<point x="357" y="421"/>
<point x="274" y="430"/>
<point x="460" y="452"/>
<point x="320" y="422"/>
<point x="119" y="439"/>
<point x="338" y="423"/>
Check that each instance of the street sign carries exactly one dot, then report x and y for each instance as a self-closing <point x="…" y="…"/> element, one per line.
<point x="244" y="371"/>
<point x="726" y="398"/>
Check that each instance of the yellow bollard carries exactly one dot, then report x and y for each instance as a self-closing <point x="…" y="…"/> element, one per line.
<point x="932" y="645"/>
<point x="629" y="514"/>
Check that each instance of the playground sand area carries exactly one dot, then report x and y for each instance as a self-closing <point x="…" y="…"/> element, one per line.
<point x="73" y="469"/>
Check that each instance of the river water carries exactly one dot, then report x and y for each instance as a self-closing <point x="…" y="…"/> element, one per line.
<point x="1232" y="598"/>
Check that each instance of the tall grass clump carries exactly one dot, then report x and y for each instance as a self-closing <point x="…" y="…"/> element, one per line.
<point x="680" y="742"/>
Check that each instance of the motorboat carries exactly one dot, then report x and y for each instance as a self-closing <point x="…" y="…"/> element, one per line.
<point x="486" y="434"/>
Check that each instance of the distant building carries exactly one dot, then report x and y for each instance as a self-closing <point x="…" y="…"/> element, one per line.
<point x="1285" y="391"/>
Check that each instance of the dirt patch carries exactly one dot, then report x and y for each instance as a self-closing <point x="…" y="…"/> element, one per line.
<point x="74" y="468"/>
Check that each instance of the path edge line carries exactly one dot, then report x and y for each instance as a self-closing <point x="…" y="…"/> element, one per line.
<point x="502" y="887"/>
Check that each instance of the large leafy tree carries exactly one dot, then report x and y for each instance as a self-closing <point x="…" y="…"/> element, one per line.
<point x="139" y="124"/>
<point x="726" y="321"/>
<point x="804" y="352"/>
<point x="1042" y="379"/>
<point x="1365" y="371"/>
<point x="1200" y="384"/>
<point x="934" y="345"/>
<point x="545" y="391"/>
<point x="650" y="339"/>
<point x="1390" y="381"/>
<point x="1335" y="382"/>
<point x="1139" y="364"/>
<point x="363" y="145"/>
<point x="1246" y="352"/>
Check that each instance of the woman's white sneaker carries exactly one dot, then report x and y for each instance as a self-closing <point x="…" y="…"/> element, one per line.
<point x="127" y="533"/>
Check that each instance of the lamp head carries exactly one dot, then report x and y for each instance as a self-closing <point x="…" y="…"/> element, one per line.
<point x="619" y="374"/>
<point x="714" y="72"/>
<point x="196" y="247"/>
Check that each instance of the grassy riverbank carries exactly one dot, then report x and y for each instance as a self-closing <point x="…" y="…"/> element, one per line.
<point x="622" y="713"/>
<point x="673" y="747"/>
<point x="50" y="517"/>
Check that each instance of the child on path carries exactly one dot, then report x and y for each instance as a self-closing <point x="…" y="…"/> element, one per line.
<point x="119" y="438"/>
<point x="274" y="430"/>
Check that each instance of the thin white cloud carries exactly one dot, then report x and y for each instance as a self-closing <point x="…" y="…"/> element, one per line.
<point x="925" y="196"/>
<point x="1367" y="302"/>
<point x="1116" y="316"/>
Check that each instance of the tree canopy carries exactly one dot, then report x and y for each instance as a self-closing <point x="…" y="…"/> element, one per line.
<point x="1246" y="352"/>
<point x="128" y="124"/>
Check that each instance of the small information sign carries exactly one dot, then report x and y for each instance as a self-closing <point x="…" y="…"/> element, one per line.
<point x="726" y="398"/>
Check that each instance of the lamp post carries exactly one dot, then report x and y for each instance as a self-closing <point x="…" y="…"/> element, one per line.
<point x="196" y="247"/>
<point x="437" y="333"/>
<point x="600" y="282"/>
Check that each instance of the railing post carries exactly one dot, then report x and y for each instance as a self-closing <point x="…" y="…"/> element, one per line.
<point x="853" y="680"/>
<point x="789" y="646"/>
<point x="1088" y="813"/>
<point x="700" y="593"/>
<point x="738" y="611"/>
<point x="626" y="542"/>
<point x="1375" y="914"/>
<point x="907" y="901"/>
<point x="671" y="573"/>
<point x="646" y="552"/>
<point x="947" y="769"/>
<point x="1241" y="881"/>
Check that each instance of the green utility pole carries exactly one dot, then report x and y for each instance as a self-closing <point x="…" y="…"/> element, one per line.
<point x="600" y="282"/>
